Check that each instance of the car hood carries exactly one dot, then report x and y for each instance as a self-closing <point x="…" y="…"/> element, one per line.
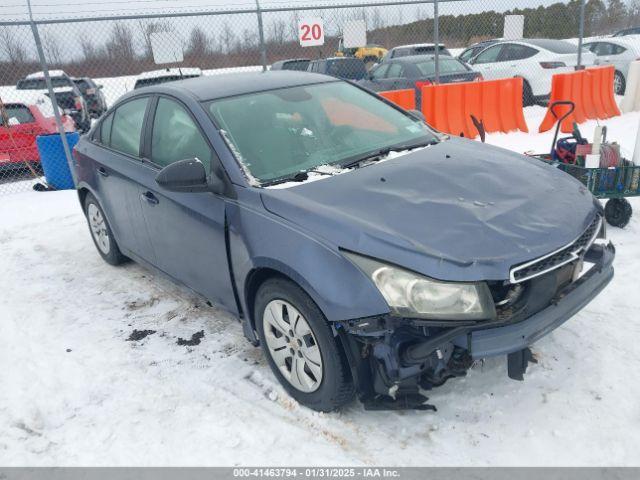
<point x="458" y="210"/>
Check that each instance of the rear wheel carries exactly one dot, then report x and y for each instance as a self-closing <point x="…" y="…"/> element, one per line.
<point x="618" y="212"/>
<point x="101" y="232"/>
<point x="300" y="347"/>
<point x="619" y="83"/>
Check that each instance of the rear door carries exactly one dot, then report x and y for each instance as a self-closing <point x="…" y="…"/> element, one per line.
<point x="114" y="159"/>
<point x="187" y="230"/>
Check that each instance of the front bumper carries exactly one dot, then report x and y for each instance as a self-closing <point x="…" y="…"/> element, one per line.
<point x="507" y="339"/>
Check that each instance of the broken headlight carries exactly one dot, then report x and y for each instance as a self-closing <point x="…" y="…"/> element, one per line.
<point x="410" y="294"/>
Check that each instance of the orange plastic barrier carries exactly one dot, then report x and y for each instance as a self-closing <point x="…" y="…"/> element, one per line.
<point x="591" y="90"/>
<point x="497" y="103"/>
<point x="403" y="98"/>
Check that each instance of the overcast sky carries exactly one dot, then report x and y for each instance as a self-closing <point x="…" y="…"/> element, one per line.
<point x="17" y="10"/>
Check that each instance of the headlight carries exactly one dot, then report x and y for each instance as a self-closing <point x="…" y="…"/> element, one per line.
<point x="413" y="295"/>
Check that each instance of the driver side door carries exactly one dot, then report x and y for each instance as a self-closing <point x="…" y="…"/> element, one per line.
<point x="187" y="230"/>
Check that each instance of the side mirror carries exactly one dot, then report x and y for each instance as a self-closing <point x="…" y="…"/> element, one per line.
<point x="188" y="176"/>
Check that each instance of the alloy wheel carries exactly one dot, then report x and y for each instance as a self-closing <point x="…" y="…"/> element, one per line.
<point x="292" y="345"/>
<point x="98" y="228"/>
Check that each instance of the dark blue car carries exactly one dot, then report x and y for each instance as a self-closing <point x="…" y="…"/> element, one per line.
<point x="365" y="252"/>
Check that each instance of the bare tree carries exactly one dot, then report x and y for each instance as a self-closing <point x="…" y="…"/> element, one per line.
<point x="277" y="31"/>
<point x="11" y="46"/>
<point x="146" y="27"/>
<point x="198" y="45"/>
<point x="52" y="49"/>
<point x="227" y="37"/>
<point x="249" y="40"/>
<point x="89" y="50"/>
<point x="120" y="46"/>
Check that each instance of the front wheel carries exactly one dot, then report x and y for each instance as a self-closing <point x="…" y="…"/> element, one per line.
<point x="300" y="347"/>
<point x="618" y="212"/>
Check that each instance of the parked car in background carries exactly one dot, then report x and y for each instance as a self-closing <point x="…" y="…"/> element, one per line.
<point x="363" y="251"/>
<point x="627" y="31"/>
<point x="347" y="68"/>
<point x="299" y="64"/>
<point x="92" y="94"/>
<point x="68" y="95"/>
<point x="534" y="60"/>
<point x="415" y="49"/>
<point x="155" y="77"/>
<point x="470" y="52"/>
<point x="26" y="115"/>
<point x="416" y="72"/>
<point x="619" y="52"/>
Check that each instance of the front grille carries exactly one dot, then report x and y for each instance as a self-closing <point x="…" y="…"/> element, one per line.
<point x="559" y="257"/>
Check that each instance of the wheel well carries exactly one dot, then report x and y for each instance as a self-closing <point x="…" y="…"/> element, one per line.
<point x="82" y="194"/>
<point x="255" y="279"/>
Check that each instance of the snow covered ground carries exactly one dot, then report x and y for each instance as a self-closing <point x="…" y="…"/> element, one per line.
<point x="78" y="388"/>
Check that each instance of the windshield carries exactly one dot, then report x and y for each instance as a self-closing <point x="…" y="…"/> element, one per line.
<point x="278" y="133"/>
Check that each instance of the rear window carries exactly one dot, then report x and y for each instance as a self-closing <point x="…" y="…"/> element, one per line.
<point x="40" y="84"/>
<point x="447" y="65"/>
<point x="82" y="84"/>
<point x="352" y="69"/>
<point x="555" y="46"/>
<point x="300" y="65"/>
<point x="17" y="115"/>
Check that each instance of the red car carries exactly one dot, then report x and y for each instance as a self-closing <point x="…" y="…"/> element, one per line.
<point x="23" y="118"/>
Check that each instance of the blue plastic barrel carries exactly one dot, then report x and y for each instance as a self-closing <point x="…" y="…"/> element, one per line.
<point x="54" y="161"/>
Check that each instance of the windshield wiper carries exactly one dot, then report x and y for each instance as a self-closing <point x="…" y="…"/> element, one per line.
<point x="298" y="177"/>
<point x="383" y="152"/>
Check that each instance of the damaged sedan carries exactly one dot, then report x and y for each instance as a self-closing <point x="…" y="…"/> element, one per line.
<point x="367" y="254"/>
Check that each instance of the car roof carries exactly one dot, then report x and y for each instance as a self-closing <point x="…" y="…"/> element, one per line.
<point x="414" y="45"/>
<point x="213" y="87"/>
<point x="52" y="73"/>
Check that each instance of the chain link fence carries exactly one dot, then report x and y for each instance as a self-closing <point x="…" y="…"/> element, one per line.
<point x="92" y="61"/>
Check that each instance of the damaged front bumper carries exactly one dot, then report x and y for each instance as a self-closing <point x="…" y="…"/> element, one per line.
<point x="394" y="360"/>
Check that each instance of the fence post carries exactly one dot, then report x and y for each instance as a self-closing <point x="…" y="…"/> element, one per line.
<point x="436" y="39"/>
<point x="52" y="96"/>
<point x="263" y="46"/>
<point x="580" y="35"/>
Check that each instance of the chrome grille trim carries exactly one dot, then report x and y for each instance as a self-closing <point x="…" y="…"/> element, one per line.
<point x="567" y="254"/>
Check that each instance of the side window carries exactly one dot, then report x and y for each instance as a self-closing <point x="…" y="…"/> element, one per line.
<point x="603" y="49"/>
<point x="380" y="71"/>
<point x="517" y="52"/>
<point x="127" y="126"/>
<point x="490" y="55"/>
<point x="105" y="130"/>
<point x="395" y="71"/>
<point x="618" y="49"/>
<point x="176" y="136"/>
<point x="467" y="55"/>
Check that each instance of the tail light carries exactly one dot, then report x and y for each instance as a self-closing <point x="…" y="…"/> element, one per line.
<point x="78" y="103"/>
<point x="548" y="65"/>
<point x="423" y="83"/>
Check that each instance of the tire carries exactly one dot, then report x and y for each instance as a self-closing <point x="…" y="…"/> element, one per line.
<point x="619" y="83"/>
<point x="101" y="233"/>
<point x="527" y="94"/>
<point x="618" y="212"/>
<point x="327" y="385"/>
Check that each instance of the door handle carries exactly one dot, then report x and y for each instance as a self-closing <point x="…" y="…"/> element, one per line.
<point x="150" y="197"/>
<point x="103" y="171"/>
